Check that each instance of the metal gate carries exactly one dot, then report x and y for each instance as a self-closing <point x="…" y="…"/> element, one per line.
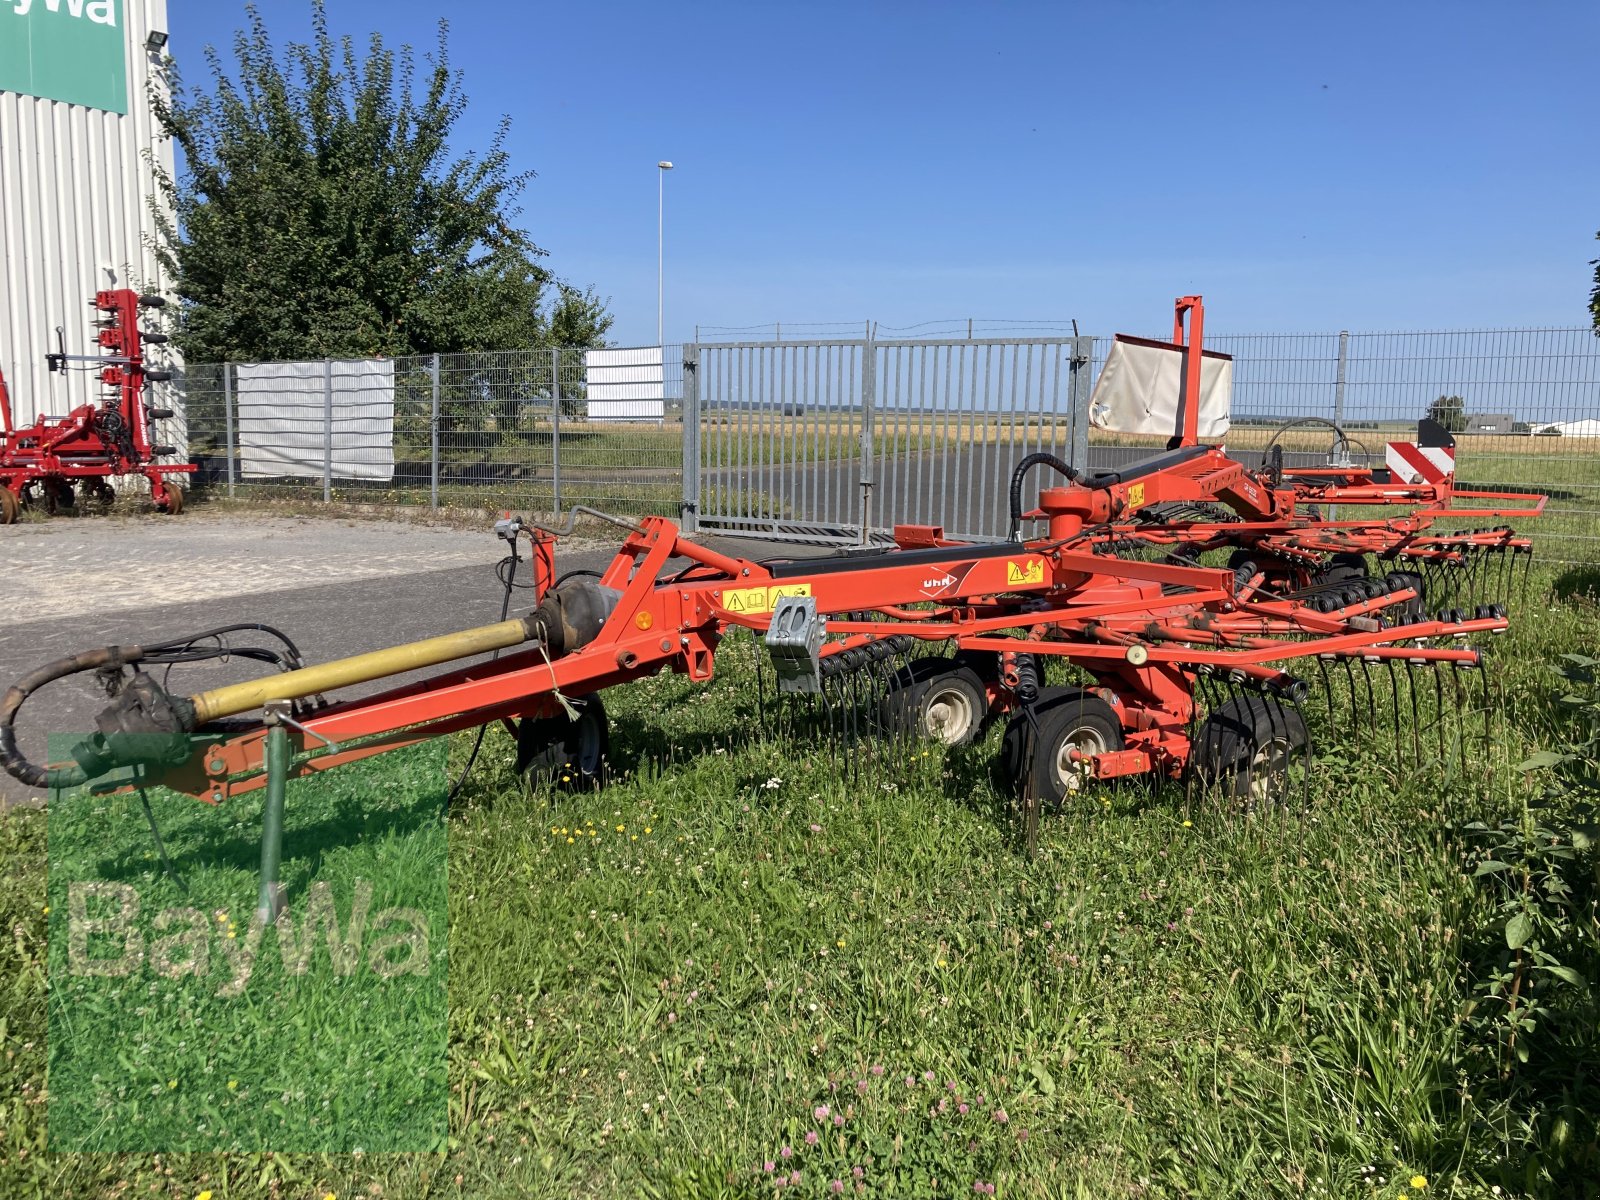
<point x="840" y="440"/>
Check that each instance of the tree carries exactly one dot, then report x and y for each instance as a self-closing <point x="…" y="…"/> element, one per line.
<point x="1450" y="412"/>
<point x="321" y="212"/>
<point x="1594" y="296"/>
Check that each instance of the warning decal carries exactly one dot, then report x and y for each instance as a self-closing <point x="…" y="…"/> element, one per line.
<point x="1021" y="574"/>
<point x="1135" y="495"/>
<point x="761" y="599"/>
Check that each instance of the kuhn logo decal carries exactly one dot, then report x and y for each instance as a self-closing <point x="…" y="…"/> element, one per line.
<point x="935" y="586"/>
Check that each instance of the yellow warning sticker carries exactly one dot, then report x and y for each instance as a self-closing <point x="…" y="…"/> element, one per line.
<point x="1135" y="495"/>
<point x="761" y="599"/>
<point x="1021" y="574"/>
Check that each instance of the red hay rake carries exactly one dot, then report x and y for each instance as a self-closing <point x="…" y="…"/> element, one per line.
<point x="41" y="463"/>
<point x="1182" y="670"/>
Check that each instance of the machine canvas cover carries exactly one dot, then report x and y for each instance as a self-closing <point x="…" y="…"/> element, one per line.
<point x="1141" y="384"/>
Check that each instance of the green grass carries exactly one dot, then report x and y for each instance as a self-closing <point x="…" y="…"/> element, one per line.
<point x="1170" y="998"/>
<point x="231" y="1038"/>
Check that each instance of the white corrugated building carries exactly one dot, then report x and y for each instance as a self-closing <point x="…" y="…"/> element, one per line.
<point x="76" y="183"/>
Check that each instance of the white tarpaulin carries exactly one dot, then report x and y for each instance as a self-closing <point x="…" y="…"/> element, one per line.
<point x="1141" y="384"/>
<point x="625" y="385"/>
<point x="284" y="421"/>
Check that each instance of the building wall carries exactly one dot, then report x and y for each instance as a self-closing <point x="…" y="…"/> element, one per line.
<point x="76" y="188"/>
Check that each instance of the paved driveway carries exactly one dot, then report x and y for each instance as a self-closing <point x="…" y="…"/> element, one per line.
<point x="338" y="587"/>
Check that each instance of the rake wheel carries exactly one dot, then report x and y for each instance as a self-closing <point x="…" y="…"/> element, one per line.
<point x="936" y="698"/>
<point x="565" y="752"/>
<point x="1039" y="753"/>
<point x="1248" y="746"/>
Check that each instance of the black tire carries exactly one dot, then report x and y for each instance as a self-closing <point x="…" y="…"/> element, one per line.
<point x="1251" y="748"/>
<point x="936" y="698"/>
<point x="1415" y="609"/>
<point x="1067" y="718"/>
<point x="985" y="664"/>
<point x="58" y="496"/>
<point x="565" y="752"/>
<point x="1343" y="568"/>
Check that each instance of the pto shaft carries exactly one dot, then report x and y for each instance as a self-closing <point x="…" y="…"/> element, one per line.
<point x="360" y="668"/>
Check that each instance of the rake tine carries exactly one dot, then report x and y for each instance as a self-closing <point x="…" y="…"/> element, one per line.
<point x="1279" y="727"/>
<point x="1355" y="715"/>
<point x="1416" y="716"/>
<point x="1372" y="699"/>
<point x="1327" y="693"/>
<point x="1394" y="702"/>
<point x="1438" y="698"/>
<point x="1461" y="707"/>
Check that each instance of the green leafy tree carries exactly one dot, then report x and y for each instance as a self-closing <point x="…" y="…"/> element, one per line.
<point x="1594" y="296"/>
<point x="1449" y="411"/>
<point x="321" y="211"/>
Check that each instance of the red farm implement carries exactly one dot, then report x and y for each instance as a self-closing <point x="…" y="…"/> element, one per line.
<point x="1184" y="605"/>
<point x="57" y="461"/>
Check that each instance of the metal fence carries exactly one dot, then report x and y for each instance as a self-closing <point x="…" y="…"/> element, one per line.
<point x="503" y="429"/>
<point x="838" y="439"/>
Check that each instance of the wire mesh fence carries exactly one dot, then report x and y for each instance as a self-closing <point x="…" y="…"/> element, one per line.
<point x="839" y="437"/>
<point x="496" y="429"/>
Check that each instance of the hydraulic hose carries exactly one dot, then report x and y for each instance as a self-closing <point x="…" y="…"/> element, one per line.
<point x="1040" y="459"/>
<point x="17" y="766"/>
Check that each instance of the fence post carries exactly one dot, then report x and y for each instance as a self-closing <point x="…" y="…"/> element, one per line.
<point x="869" y="387"/>
<point x="327" y="430"/>
<point x="1338" y="379"/>
<point x="1342" y="451"/>
<point x="227" y="419"/>
<point x="555" y="428"/>
<point x="689" y="509"/>
<point x="1078" y="393"/>
<point x="433" y="438"/>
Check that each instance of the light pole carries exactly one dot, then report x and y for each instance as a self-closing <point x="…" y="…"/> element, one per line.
<point x="661" y="246"/>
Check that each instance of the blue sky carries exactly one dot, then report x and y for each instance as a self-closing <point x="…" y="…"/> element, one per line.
<point x="1305" y="166"/>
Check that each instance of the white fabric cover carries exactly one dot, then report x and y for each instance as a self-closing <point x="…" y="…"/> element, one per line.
<point x="283" y="421"/>
<point x="625" y="385"/>
<point x="1141" y="384"/>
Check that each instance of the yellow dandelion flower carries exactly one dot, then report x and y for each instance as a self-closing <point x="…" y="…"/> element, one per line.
<point x="647" y="828"/>
<point x="943" y="963"/>
<point x="45" y="910"/>
<point x="172" y="1084"/>
<point x="233" y="1085"/>
<point x="570" y="841"/>
<point x="620" y="828"/>
<point x="633" y="837"/>
<point x="205" y="1195"/>
<point x="1419" y="1182"/>
<point x="1188" y="824"/>
<point x="840" y="943"/>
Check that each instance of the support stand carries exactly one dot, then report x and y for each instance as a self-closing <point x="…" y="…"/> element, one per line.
<point x="270" y="901"/>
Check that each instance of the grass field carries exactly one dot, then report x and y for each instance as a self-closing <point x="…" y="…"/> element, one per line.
<point x="188" y="1026"/>
<point x="750" y="951"/>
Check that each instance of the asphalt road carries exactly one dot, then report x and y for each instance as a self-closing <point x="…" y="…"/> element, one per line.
<point x="336" y="587"/>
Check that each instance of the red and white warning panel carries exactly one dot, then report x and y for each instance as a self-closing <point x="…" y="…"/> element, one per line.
<point x="1411" y="463"/>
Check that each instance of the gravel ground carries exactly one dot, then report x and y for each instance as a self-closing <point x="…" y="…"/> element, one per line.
<point x="337" y="586"/>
